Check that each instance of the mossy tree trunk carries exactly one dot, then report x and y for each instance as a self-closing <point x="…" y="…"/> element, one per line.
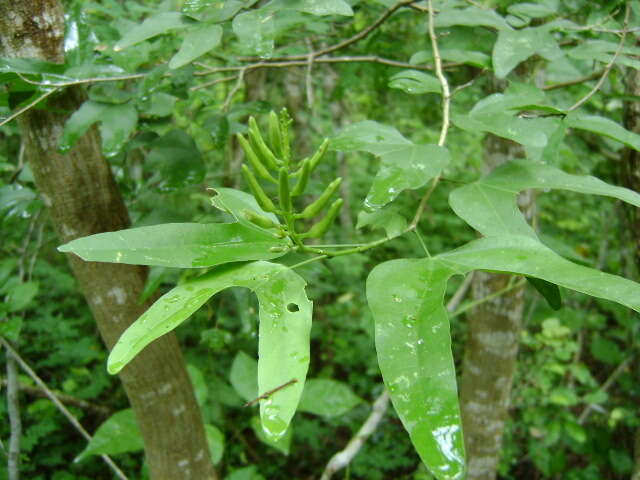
<point x="82" y="199"/>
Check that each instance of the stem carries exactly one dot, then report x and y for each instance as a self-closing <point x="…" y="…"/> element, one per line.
<point x="13" y="409"/>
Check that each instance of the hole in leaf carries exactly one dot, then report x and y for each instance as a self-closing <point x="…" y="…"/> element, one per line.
<point x="292" y="307"/>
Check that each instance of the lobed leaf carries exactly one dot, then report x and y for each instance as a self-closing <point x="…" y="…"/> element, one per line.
<point x="285" y="324"/>
<point x="185" y="245"/>
<point x="404" y="165"/>
<point x="514" y="46"/>
<point x="490" y="204"/>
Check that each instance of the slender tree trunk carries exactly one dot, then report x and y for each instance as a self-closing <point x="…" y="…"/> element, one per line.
<point x="82" y="198"/>
<point x="491" y="349"/>
<point x="629" y="172"/>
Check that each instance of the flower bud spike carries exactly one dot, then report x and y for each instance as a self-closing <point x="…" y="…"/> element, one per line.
<point x="257" y="143"/>
<point x="315" y="159"/>
<point x="275" y="134"/>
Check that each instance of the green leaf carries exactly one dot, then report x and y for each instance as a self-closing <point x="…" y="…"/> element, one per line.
<point x="413" y="344"/>
<point x="197" y="42"/>
<point x="412" y="331"/>
<point x="283" y="345"/>
<point x="215" y="440"/>
<point x="31" y="66"/>
<point x="549" y="291"/>
<point x="471" y="17"/>
<point x="282" y="444"/>
<point x="404" y="165"/>
<point x="244" y="376"/>
<point x="235" y="202"/>
<point x="213" y="10"/>
<point x="157" y="24"/>
<point x="255" y="31"/>
<point x="515" y="46"/>
<point x="177" y="159"/>
<point x="200" y="387"/>
<point x="415" y="82"/>
<point x="10" y="328"/>
<point x="489" y="205"/>
<point x="117" y="122"/>
<point x="603" y="126"/>
<point x="534" y="10"/>
<point x="184" y="245"/>
<point x="319" y="7"/>
<point x="606" y="350"/>
<point x="327" y="398"/>
<point x="118" y="434"/>
<point x="20" y="295"/>
<point x="246" y="473"/>
<point x="386" y="218"/>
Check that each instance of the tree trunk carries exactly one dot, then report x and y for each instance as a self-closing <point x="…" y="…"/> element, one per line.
<point x="491" y="349"/>
<point x="82" y="198"/>
<point x="629" y="172"/>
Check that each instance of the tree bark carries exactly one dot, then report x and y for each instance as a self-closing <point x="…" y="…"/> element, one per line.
<point x="629" y="173"/>
<point x="82" y="198"/>
<point x="491" y="349"/>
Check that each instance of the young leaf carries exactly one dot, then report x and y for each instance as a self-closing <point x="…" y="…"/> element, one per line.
<point x="157" y="24"/>
<point x="413" y="344"/>
<point x="283" y="345"/>
<point x="404" y="165"/>
<point x="489" y="205"/>
<point x="118" y="434"/>
<point x="185" y="245"/>
<point x="328" y="398"/>
<point x="197" y="42"/>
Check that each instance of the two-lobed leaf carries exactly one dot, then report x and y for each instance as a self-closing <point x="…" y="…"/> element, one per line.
<point x="403" y="164"/>
<point x="285" y="324"/>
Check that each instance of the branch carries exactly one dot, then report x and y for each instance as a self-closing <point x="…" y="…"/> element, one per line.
<point x="345" y="43"/>
<point x="609" y="66"/>
<point x="52" y="396"/>
<point x="344" y="457"/>
<point x="620" y="369"/>
<point x="13" y="408"/>
<point x="28" y="107"/>
<point x="569" y="83"/>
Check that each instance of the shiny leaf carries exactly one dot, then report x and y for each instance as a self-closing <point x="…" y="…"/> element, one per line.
<point x="197" y="42"/>
<point x="603" y="126"/>
<point x="235" y="202"/>
<point x="255" y="31"/>
<point x="283" y="345"/>
<point x="177" y="245"/>
<point x="157" y="24"/>
<point x="404" y="165"/>
<point x="415" y="82"/>
<point x="118" y="434"/>
<point x="318" y="7"/>
<point x="282" y="444"/>
<point x="327" y="398"/>
<point x="117" y="122"/>
<point x="489" y="205"/>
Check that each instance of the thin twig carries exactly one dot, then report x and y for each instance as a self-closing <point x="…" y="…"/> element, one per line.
<point x="569" y="83"/>
<point x="28" y="107"/>
<point x="309" y="80"/>
<point x="460" y="293"/>
<point x="437" y="59"/>
<point x="234" y="90"/>
<point x="213" y="82"/>
<point x="13" y="409"/>
<point x="620" y="369"/>
<point x="609" y="66"/>
<point x="266" y="395"/>
<point x="345" y="43"/>
<point x="344" y="457"/>
<point x="475" y="303"/>
<point x="52" y="396"/>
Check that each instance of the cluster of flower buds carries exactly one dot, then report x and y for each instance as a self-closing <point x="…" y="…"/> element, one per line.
<point x="271" y="162"/>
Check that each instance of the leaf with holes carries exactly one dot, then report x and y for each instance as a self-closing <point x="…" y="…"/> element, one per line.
<point x="283" y="345"/>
